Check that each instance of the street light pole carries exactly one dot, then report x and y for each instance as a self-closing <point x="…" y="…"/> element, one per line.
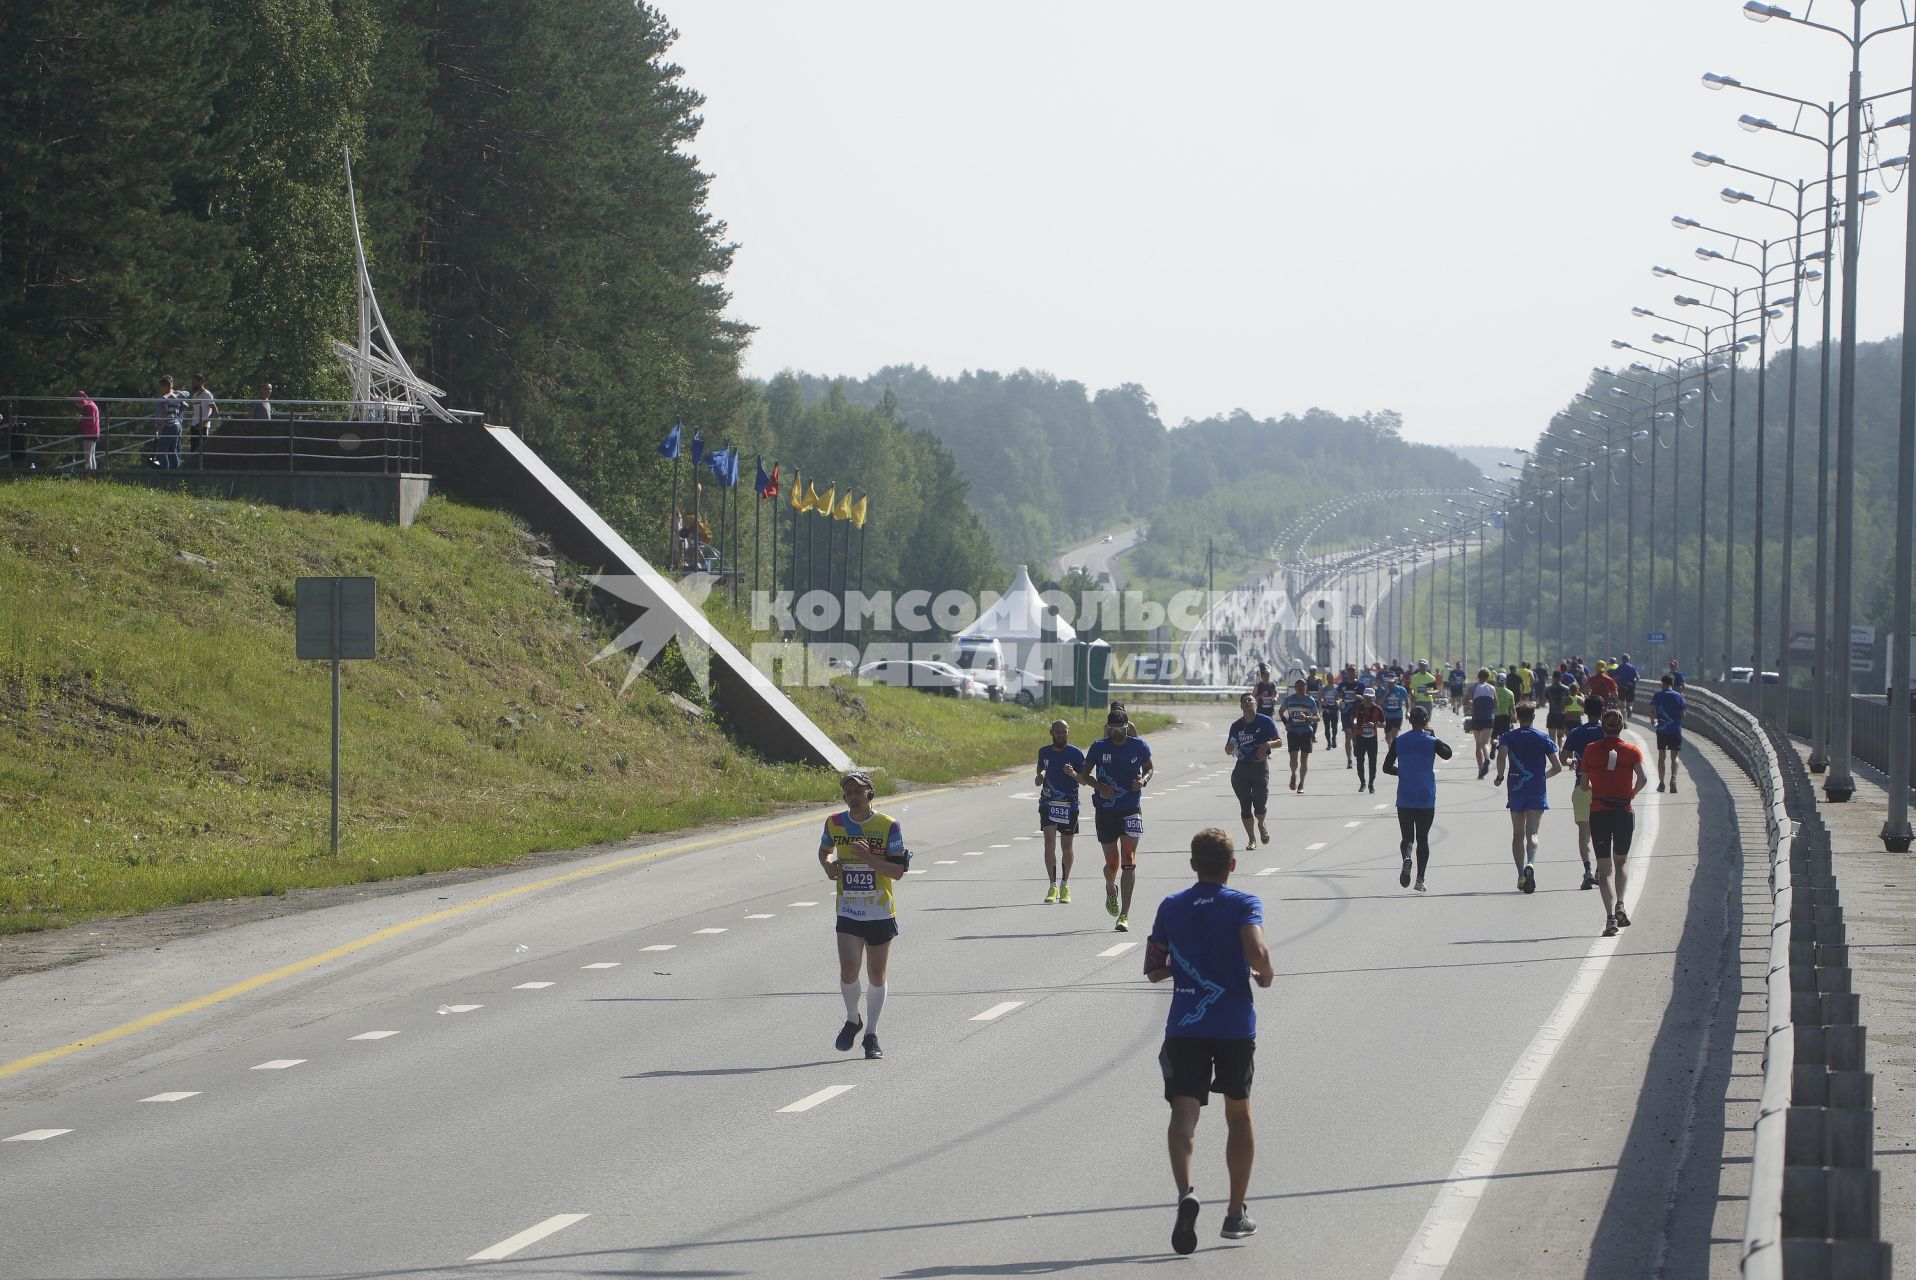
<point x="1896" y="833"/>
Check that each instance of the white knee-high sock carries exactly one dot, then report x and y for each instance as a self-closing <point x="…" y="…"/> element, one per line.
<point x="850" y="991"/>
<point x="874" y="1005"/>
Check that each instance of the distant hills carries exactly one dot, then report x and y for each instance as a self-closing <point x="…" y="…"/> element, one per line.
<point x="1485" y="458"/>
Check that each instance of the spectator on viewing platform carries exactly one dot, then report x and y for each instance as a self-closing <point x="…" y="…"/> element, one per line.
<point x="89" y="433"/>
<point x="169" y="412"/>
<point x="205" y="409"/>
<point x="261" y="410"/>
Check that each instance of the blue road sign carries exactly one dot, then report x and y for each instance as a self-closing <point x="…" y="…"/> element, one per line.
<point x="1657" y="637"/>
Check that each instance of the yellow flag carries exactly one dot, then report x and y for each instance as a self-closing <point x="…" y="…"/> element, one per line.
<point x="798" y="494"/>
<point x="858" y="513"/>
<point x="844" y="508"/>
<point x="811" y="498"/>
<point x="828" y="503"/>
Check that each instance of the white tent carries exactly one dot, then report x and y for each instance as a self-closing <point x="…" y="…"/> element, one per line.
<point x="1022" y="615"/>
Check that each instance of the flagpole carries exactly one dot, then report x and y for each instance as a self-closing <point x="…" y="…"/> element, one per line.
<point x="758" y="520"/>
<point x="672" y="515"/>
<point x="738" y="575"/>
<point x="861" y="581"/>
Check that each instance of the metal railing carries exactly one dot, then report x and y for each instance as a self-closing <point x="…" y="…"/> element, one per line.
<point x="1815" y="1201"/>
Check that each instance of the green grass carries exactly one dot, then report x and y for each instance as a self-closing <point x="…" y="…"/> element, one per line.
<point x="159" y="743"/>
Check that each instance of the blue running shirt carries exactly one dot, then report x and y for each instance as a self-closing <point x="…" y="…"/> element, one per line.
<point x="1669" y="706"/>
<point x="1052" y="760"/>
<point x="1416" y="769"/>
<point x="1526" y="753"/>
<point x="1247" y="736"/>
<point x="1118" y="766"/>
<point x="1577" y="739"/>
<point x="1199" y="929"/>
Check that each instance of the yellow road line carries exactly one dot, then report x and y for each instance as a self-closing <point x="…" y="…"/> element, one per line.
<point x="254" y="983"/>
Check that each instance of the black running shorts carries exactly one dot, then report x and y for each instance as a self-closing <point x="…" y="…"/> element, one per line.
<point x="1499" y="726"/>
<point x="1113" y="827"/>
<point x="1297" y="741"/>
<point x="1670" y="741"/>
<point x="1197" y="1066"/>
<point x="1252" y="784"/>
<point x="1045" y="822"/>
<point x="876" y="933"/>
<point x="1611" y="830"/>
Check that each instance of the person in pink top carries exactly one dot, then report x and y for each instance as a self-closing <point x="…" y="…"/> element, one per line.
<point x="89" y="431"/>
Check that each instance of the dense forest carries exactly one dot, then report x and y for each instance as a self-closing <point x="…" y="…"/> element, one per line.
<point x="536" y="220"/>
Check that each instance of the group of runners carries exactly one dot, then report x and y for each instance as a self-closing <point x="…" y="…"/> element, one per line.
<point x="1208" y="939"/>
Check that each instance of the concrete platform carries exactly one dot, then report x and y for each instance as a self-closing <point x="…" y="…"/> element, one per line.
<point x="392" y="499"/>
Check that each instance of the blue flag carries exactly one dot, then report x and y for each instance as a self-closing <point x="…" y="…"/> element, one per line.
<point x="731" y="467"/>
<point x="698" y="448"/>
<point x="669" y="447"/>
<point x="719" y="465"/>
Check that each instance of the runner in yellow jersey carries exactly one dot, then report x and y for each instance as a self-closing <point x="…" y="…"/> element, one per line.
<point x="1423" y="684"/>
<point x="864" y="852"/>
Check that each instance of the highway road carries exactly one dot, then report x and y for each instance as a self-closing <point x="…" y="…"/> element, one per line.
<point x="1099" y="555"/>
<point x="623" y="1066"/>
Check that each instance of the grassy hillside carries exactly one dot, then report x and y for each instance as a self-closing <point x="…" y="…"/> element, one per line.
<point x="160" y="744"/>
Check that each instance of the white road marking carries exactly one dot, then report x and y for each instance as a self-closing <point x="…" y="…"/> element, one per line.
<point x="945" y="862"/>
<point x="811" y="1100"/>
<point x="531" y="1235"/>
<point x="996" y="1011"/>
<point x="177" y="1096"/>
<point x="801" y="904"/>
<point x="1001" y="846"/>
<point x="1312" y="848"/>
<point x="1380" y="806"/>
<point x="974" y="853"/>
<point x="533" y="986"/>
<point x="459" y="1008"/>
<point x="761" y="915"/>
<point x="918" y="871"/>
<point x="372" y="1035"/>
<point x="278" y="1064"/>
<point x="1118" y="950"/>
<point x="1353" y="824"/>
<point x="1021" y="837"/>
<point x="708" y="931"/>
<point x="601" y="964"/>
<point x="36" y="1135"/>
<point x="660" y="946"/>
<point x="1268" y="871"/>
<point x="1435" y="1241"/>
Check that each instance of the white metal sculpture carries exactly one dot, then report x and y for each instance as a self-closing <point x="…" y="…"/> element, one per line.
<point x="383" y="383"/>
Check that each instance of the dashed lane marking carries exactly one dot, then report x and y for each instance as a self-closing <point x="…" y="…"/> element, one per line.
<point x="708" y="931"/>
<point x="459" y="1008"/>
<point x="1269" y="871"/>
<point x="1118" y="950"/>
<point x="761" y="915"/>
<point x="36" y="1135"/>
<point x="531" y="1235"/>
<point x="372" y="1035"/>
<point x="533" y="986"/>
<point x="996" y="1011"/>
<point x="660" y="946"/>
<point x="811" y="1100"/>
<point x="1313" y="848"/>
<point x="178" y="1095"/>
<point x="278" y="1064"/>
<point x="601" y="964"/>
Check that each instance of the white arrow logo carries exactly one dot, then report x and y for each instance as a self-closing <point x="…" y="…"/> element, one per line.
<point x="655" y="627"/>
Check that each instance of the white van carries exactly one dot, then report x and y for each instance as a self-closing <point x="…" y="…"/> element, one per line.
<point x="983" y="658"/>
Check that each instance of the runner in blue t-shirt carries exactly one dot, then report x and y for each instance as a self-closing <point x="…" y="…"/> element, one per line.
<point x="1118" y="767"/>
<point x="1668" y="707"/>
<point x="1248" y="742"/>
<point x="1413" y="760"/>
<point x="1209" y="940"/>
<point x="1626" y="675"/>
<point x="1573" y="744"/>
<point x="1264" y="689"/>
<point x="1526" y="753"/>
<point x="1060" y="770"/>
<point x="1393" y="698"/>
<point x="1298" y="711"/>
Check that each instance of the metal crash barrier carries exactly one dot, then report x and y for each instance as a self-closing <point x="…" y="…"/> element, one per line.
<point x="1815" y="1195"/>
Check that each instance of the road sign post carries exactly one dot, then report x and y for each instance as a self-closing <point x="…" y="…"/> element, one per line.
<point x="333" y="620"/>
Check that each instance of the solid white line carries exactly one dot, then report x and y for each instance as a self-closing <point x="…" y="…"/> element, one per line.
<point x="660" y="946"/>
<point x="708" y="931"/>
<point x="177" y="1096"/>
<point x="811" y="1100"/>
<point x="372" y="1035"/>
<point x="761" y="915"/>
<point x="512" y="1244"/>
<point x="601" y="964"/>
<point x="36" y="1135"/>
<point x="532" y="986"/>
<point x="1312" y="848"/>
<point x="996" y="1011"/>
<point x="1268" y="871"/>
<point x="1118" y="950"/>
<point x="278" y="1064"/>
<point x="1435" y="1241"/>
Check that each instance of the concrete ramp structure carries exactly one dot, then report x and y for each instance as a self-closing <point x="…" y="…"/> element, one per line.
<point x="494" y="466"/>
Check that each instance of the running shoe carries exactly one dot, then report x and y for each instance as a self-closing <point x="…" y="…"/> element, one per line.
<point x="1483" y="770"/>
<point x="1529" y="879"/>
<point x="1263" y="831"/>
<point x="1659" y="788"/>
<point x="1350" y="764"/>
<point x="1250" y="842"/>
<point x="1051" y="895"/>
<point x="1623" y="918"/>
<point x="1589" y="879"/>
<point x="1673" y="786"/>
<point x="1184" y="1234"/>
<point x="871" y="1048"/>
<point x="1111" y="900"/>
<point x="1238" y="1225"/>
<point x="1419" y="886"/>
<point x="1124" y="924"/>
<point x="1064" y="894"/>
<point x="1403" y="876"/>
<point x="847" y="1034"/>
<point x="1610" y="926"/>
<point x="1373" y="787"/>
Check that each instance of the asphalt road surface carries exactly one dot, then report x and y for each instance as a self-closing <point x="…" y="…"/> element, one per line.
<point x="1100" y="555"/>
<point x="624" y="1067"/>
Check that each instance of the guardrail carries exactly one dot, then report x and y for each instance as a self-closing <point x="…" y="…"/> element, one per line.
<point x="1158" y="691"/>
<point x="1815" y="1199"/>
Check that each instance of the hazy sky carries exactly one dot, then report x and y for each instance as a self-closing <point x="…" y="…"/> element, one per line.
<point x="1444" y="209"/>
